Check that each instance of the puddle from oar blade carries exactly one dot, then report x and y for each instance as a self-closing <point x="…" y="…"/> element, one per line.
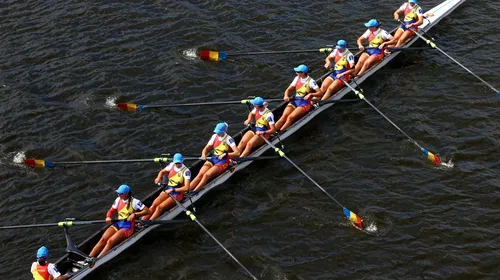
<point x="111" y="101"/>
<point x="448" y="164"/>
<point x="190" y="54"/>
<point x="19" y="157"/>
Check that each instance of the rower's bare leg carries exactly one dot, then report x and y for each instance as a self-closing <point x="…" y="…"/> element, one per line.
<point x="372" y="60"/>
<point x="244" y="140"/>
<point x="161" y="197"/>
<point x="203" y="170"/>
<point x="397" y="35"/>
<point x="212" y="172"/>
<point x="406" y="35"/>
<point x="117" y="238"/>
<point x="333" y="88"/>
<point x="326" y="83"/>
<point x="298" y="113"/>
<point x="284" y="117"/>
<point x="361" y="62"/>
<point x="104" y="239"/>
<point x="254" y="142"/>
<point x="164" y="206"/>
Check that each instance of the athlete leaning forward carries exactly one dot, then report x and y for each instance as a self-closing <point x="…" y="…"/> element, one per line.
<point x="343" y="67"/>
<point x="176" y="178"/>
<point x="224" y="148"/>
<point x="264" y="125"/>
<point x="305" y="88"/>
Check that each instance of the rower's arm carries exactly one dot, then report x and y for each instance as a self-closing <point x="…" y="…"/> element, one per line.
<point x="205" y="151"/>
<point x="392" y="40"/>
<point x="144" y="212"/>
<point x="249" y="119"/>
<point x="271" y="130"/>
<point x="327" y="62"/>
<point x="186" y="187"/>
<point x="288" y="90"/>
<point x="317" y="93"/>
<point x="360" y="42"/>
<point x="396" y="14"/>
<point x="160" y="175"/>
<point x="235" y="153"/>
<point x="420" y="21"/>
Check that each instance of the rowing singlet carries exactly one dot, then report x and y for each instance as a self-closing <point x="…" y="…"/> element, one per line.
<point x="341" y="63"/>
<point x="302" y="89"/>
<point x="261" y="123"/>
<point x="221" y="146"/>
<point x="375" y="40"/>
<point x="124" y="209"/>
<point x="41" y="272"/>
<point x="411" y="14"/>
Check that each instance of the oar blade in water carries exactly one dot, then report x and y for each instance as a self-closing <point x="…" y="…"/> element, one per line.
<point x="432" y="157"/>
<point x="38" y="163"/>
<point x="353" y="218"/>
<point x="212" y="55"/>
<point x="129" y="107"/>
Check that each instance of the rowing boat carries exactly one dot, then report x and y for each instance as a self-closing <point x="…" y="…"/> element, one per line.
<point x="70" y="262"/>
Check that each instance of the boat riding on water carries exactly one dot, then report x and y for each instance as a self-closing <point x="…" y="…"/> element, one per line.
<point x="75" y="254"/>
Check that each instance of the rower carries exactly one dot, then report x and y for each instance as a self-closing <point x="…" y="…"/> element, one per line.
<point x="414" y="17"/>
<point x="221" y="143"/>
<point x="43" y="270"/>
<point x="264" y="125"/>
<point x="378" y="38"/>
<point x="343" y="66"/>
<point x="305" y="87"/>
<point x="128" y="209"/>
<point x="177" y="182"/>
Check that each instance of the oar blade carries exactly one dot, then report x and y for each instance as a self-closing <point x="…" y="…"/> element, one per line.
<point x="212" y="55"/>
<point x="353" y="218"/>
<point x="38" y="163"/>
<point x="432" y="157"/>
<point x="129" y="107"/>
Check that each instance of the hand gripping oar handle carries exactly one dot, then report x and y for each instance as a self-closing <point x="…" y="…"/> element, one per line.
<point x="355" y="220"/>
<point x="430" y="156"/>
<point x="433" y="45"/>
<point x="194" y="219"/>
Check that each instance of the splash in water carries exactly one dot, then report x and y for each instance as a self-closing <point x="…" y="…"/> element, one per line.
<point x="19" y="157"/>
<point x="190" y="54"/>
<point x="111" y="101"/>
<point x="448" y="164"/>
<point x="371" y="228"/>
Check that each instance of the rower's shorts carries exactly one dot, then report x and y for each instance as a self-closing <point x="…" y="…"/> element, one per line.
<point x="254" y="130"/>
<point x="403" y="26"/>
<point x="124" y="226"/>
<point x="334" y="76"/>
<point x="300" y="103"/>
<point x="378" y="53"/>
<point x="177" y="195"/>
<point x="221" y="163"/>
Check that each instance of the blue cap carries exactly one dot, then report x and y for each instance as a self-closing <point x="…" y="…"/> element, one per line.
<point x="220" y="127"/>
<point x="372" y="23"/>
<point x="178" y="158"/>
<point x="301" y="68"/>
<point x="341" y="44"/>
<point x="43" y="252"/>
<point x="258" y="101"/>
<point x="412" y="1"/>
<point x="123" y="189"/>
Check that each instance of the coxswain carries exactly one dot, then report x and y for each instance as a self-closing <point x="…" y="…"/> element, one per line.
<point x="343" y="65"/>
<point x="128" y="210"/>
<point x="264" y="125"/>
<point x="305" y="88"/>
<point x="377" y="38"/>
<point x="176" y="178"/>
<point x="413" y="17"/>
<point x="224" y="148"/>
<point x="43" y="270"/>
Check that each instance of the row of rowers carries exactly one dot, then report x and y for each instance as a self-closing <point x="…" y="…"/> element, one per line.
<point x="176" y="177"/>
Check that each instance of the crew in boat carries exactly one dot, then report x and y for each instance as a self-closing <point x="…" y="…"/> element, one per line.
<point x="224" y="148"/>
<point x="305" y="88"/>
<point x="128" y="209"/>
<point x="343" y="65"/>
<point x="43" y="270"/>
<point x="264" y="125"/>
<point x="413" y="18"/>
<point x="176" y="177"/>
<point x="377" y="38"/>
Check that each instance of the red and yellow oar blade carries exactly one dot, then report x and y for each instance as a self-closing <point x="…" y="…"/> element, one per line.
<point x="212" y="55"/>
<point x="353" y="218"/>
<point x="38" y="163"/>
<point x="432" y="157"/>
<point x="127" y="107"/>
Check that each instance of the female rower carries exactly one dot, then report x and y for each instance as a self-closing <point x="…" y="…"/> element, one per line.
<point x="221" y="143"/>
<point x="305" y="87"/>
<point x="414" y="17"/>
<point x="343" y="66"/>
<point x="377" y="39"/>
<point x="128" y="208"/>
<point x="43" y="270"/>
<point x="179" y="178"/>
<point x="264" y="125"/>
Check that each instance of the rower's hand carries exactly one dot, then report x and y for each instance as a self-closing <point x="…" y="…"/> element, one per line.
<point x="339" y="76"/>
<point x="382" y="46"/>
<point x="286" y="99"/>
<point x="131" y="218"/>
<point x="361" y="47"/>
<point x="260" y="132"/>
<point x="169" y="191"/>
<point x="157" y="180"/>
<point x="327" y="65"/>
<point x="246" y="122"/>
<point x="222" y="156"/>
<point x="409" y="26"/>
<point x="307" y="97"/>
<point x="396" y="18"/>
<point x="108" y="220"/>
<point x="203" y="157"/>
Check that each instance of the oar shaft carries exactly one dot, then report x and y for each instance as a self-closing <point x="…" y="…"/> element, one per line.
<point x="205" y="103"/>
<point x="102" y="161"/>
<point x="278" y="52"/>
<point x="193" y="218"/>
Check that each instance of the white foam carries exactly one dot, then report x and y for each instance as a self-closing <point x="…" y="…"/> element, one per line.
<point x="19" y="157"/>
<point x="371" y="228"/>
<point x="111" y="101"/>
<point x="448" y="164"/>
<point x="190" y="54"/>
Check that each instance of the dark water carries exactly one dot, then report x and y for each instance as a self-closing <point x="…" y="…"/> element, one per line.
<point x="63" y="61"/>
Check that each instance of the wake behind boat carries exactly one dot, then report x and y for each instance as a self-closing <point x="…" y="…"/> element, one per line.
<point x="72" y="261"/>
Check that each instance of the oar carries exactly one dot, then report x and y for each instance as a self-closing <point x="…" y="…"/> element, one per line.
<point x="39" y="163"/>
<point x="430" y="156"/>
<point x="220" y="55"/>
<point x="136" y="107"/>
<point x="194" y="219"/>
<point x="433" y="45"/>
<point x="355" y="220"/>
<point x="70" y="222"/>
<point x="335" y="101"/>
<point x="401" y="49"/>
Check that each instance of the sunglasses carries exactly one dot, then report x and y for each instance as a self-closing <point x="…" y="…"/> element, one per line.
<point x="299" y="72"/>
